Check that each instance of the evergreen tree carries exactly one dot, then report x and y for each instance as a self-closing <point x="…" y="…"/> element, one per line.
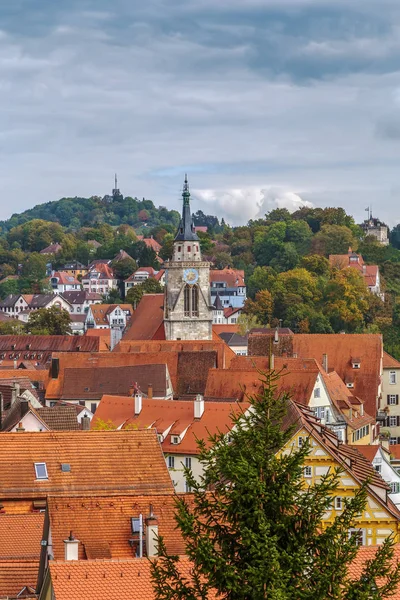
<point x="252" y="528"/>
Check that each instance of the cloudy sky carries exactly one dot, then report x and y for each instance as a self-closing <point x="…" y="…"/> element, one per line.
<point x="263" y="102"/>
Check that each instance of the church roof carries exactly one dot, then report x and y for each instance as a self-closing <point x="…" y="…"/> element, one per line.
<point x="186" y="231"/>
<point x="218" y="304"/>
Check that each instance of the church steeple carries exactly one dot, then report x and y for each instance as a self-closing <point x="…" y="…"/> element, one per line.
<point x="186" y="231"/>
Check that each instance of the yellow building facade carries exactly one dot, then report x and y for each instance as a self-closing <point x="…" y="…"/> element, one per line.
<point x="380" y="518"/>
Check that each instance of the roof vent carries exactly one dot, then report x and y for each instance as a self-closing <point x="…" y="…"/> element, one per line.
<point x="65" y="467"/>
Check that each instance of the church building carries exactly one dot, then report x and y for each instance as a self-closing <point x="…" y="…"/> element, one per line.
<point x="188" y="312"/>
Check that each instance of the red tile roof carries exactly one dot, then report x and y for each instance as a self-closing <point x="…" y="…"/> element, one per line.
<point x="232" y="277"/>
<point x="231" y="328"/>
<point x="368" y="450"/>
<point x="20" y="537"/>
<point x="389" y="362"/>
<point x="340" y="350"/>
<point x="107" y="519"/>
<point x="342" y="261"/>
<point x="108" y="580"/>
<point x="366" y="553"/>
<point x="148" y="319"/>
<point x="99" y="461"/>
<point x="52" y="249"/>
<point x="16" y="576"/>
<point x="175" y="416"/>
<point x="32" y="344"/>
<point x="66" y="279"/>
<point x="100" y="312"/>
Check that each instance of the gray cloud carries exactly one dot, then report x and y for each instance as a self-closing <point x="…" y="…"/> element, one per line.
<point x="292" y="97"/>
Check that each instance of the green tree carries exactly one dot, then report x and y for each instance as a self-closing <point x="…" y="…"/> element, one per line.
<point x="315" y="263"/>
<point x="346" y="299"/>
<point x="34" y="269"/>
<point x="333" y="239"/>
<point x="261" y="307"/>
<point x="123" y="268"/>
<point x="247" y="322"/>
<point x="150" y="286"/>
<point x="253" y="527"/>
<point x="49" y="321"/>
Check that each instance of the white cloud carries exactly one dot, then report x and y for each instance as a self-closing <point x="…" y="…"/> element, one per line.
<point x="238" y="206"/>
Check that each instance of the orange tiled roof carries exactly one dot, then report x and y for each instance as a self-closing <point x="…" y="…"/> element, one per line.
<point x="101" y="311"/>
<point x="366" y="553"/>
<point x="389" y="362"/>
<point x="395" y="450"/>
<point x="65" y="278"/>
<point x="99" y="461"/>
<point x="174" y="416"/>
<point x="230" y="328"/>
<point x="147" y="322"/>
<point x="108" y="580"/>
<point x="16" y="576"/>
<point x="107" y="519"/>
<point x="232" y="277"/>
<point x="340" y="349"/>
<point x="20" y="536"/>
<point x="368" y="450"/>
<point x="31" y="344"/>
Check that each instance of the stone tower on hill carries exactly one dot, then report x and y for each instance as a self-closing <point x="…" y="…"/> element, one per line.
<point x="187" y="305"/>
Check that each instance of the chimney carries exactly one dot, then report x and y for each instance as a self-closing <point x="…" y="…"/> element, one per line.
<point x="15" y="363"/>
<point x="198" y="406"/>
<point x="20" y="428"/>
<point x="71" y="546"/>
<point x="55" y="368"/>
<point x="150" y="391"/>
<point x="151" y="523"/>
<point x="325" y="362"/>
<point x="1" y="409"/>
<point x="85" y="422"/>
<point x="139" y="400"/>
<point x="24" y="406"/>
<point x="15" y="391"/>
<point x="364" y="268"/>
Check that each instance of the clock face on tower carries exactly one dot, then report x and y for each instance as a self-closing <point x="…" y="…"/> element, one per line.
<point x="190" y="276"/>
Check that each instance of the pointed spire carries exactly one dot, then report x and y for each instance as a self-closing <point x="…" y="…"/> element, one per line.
<point x="186" y="229"/>
<point x="186" y="193"/>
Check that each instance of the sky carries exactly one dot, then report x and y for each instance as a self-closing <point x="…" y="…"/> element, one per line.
<point x="263" y="103"/>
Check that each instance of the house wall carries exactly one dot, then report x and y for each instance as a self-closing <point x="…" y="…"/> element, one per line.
<point x="30" y="423"/>
<point x="375" y="521"/>
<point x="177" y="473"/>
<point x="388" y="473"/>
<point x="392" y="410"/>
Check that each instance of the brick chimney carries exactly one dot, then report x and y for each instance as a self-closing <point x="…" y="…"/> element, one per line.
<point x="20" y="428"/>
<point x="15" y="392"/>
<point x="71" y="546"/>
<point x="325" y="362"/>
<point x="150" y="391"/>
<point x="151" y="523"/>
<point x="85" y="422"/>
<point x="198" y="406"/>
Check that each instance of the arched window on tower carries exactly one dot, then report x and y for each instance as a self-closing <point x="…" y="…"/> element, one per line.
<point x="191" y="301"/>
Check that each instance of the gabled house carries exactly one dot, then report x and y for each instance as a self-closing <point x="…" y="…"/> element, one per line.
<point x="74" y="268"/>
<point x="107" y="316"/>
<point x="54" y="248"/>
<point x="179" y="424"/>
<point x="225" y="315"/>
<point x="100" y="278"/>
<point x="140" y="276"/>
<point x="381" y="517"/>
<point x="379" y="457"/>
<point x="61" y="281"/>
<point x="389" y="413"/>
<point x="14" y="304"/>
<point x="353" y="260"/>
<point x="81" y="300"/>
<point x="229" y="285"/>
<point x="32" y="416"/>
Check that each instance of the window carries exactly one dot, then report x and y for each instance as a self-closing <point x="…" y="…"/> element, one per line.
<point x="93" y="407"/>
<point x="175" y="439"/>
<point x="394" y="487"/>
<point x="378" y="468"/>
<point x="41" y="471"/>
<point x="392" y="399"/>
<point x="356" y="365"/>
<point x="307" y="471"/>
<point x="171" y="462"/>
<point x="392" y="421"/>
<point x="317" y="393"/>
<point x="392" y="440"/>
<point x="320" y="412"/>
<point x="392" y="377"/>
<point x="191" y="301"/>
<point x="82" y="402"/>
<point x="188" y="462"/>
<point x="187" y="487"/>
<point x="338" y="503"/>
<point x="350" y="384"/>
<point x="300" y="441"/>
<point x="359" y="534"/>
<point x="189" y="248"/>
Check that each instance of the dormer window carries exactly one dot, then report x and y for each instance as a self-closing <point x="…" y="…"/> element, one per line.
<point x="350" y="384"/>
<point x="175" y="439"/>
<point x="355" y="365"/>
<point x="41" y="471"/>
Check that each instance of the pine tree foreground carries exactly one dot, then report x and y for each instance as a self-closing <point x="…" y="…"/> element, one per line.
<point x="252" y="528"/>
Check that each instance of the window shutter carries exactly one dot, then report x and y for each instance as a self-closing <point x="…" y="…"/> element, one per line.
<point x="398" y="421"/>
<point x="388" y="399"/>
<point x="398" y="440"/>
<point x="387" y="422"/>
<point x="397" y="398"/>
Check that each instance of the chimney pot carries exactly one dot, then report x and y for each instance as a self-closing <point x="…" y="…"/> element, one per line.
<point x="198" y="406"/>
<point x="71" y="548"/>
<point x="20" y="427"/>
<point x="138" y="401"/>
<point x="151" y="523"/>
<point x="85" y="422"/>
<point x="150" y="391"/>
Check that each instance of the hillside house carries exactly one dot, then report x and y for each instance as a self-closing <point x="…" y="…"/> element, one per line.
<point x="229" y="285"/>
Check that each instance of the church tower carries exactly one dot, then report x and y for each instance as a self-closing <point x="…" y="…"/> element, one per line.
<point x="187" y="305"/>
